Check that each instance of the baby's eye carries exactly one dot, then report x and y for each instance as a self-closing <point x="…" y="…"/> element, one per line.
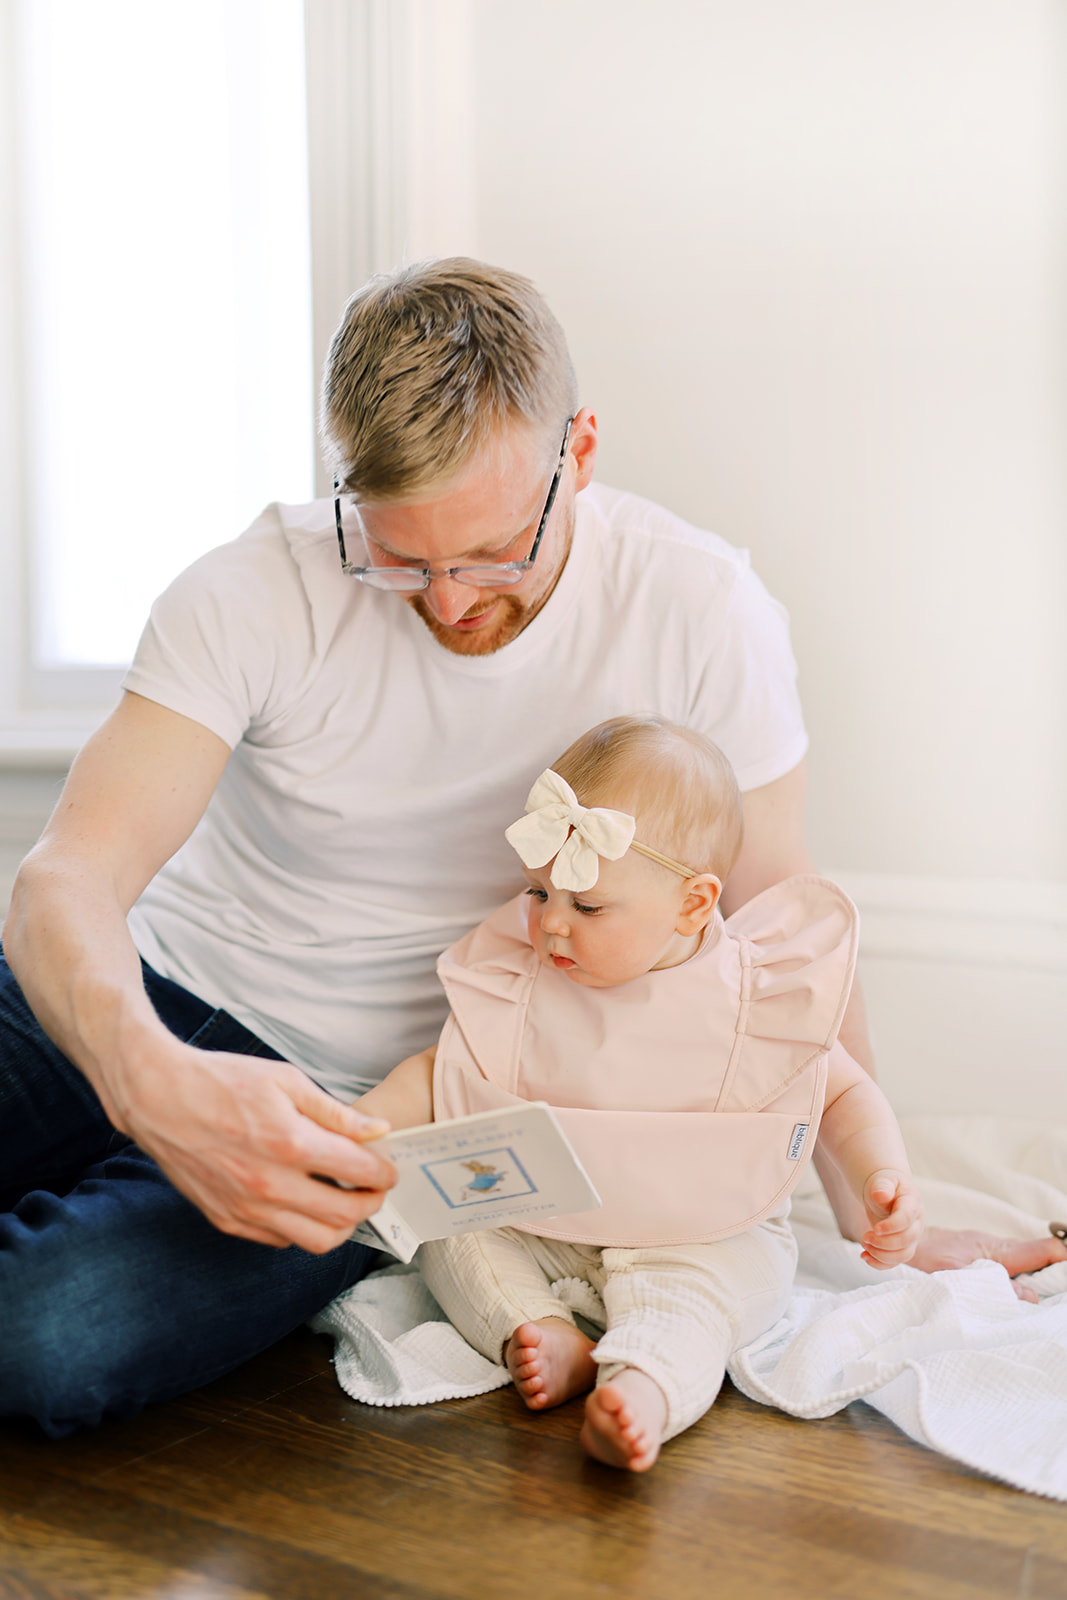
<point x="587" y="911"/>
<point x="538" y="894"/>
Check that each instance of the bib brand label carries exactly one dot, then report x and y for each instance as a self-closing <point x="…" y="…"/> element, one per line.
<point x="796" y="1143"/>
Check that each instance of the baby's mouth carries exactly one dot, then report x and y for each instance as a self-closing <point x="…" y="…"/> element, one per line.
<point x="562" y="961"/>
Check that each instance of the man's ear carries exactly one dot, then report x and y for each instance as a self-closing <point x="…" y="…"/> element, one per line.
<point x="582" y="447"/>
<point x="701" y="897"/>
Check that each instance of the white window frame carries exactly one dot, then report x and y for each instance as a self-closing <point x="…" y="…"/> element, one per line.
<point x="392" y="179"/>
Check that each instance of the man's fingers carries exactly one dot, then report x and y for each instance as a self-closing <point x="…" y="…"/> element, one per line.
<point x="299" y="1210"/>
<point x="1028" y="1255"/>
<point x="316" y="1237"/>
<point x="350" y="1164"/>
<point x="371" y="1128"/>
<point x="942" y="1248"/>
<point x="946" y="1248"/>
<point x="335" y="1139"/>
<point x="332" y="1114"/>
<point x="251" y="1146"/>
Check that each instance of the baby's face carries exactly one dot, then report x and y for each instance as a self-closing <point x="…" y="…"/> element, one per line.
<point x="624" y="926"/>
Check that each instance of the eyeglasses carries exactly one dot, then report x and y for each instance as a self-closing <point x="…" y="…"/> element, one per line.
<point x="487" y="575"/>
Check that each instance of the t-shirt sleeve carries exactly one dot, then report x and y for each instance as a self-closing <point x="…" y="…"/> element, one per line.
<point x="214" y="639"/>
<point x="747" y="699"/>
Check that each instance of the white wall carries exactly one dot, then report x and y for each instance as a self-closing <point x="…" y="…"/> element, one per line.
<point x="811" y="261"/>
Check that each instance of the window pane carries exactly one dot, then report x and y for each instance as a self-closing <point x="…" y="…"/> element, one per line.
<point x="166" y="251"/>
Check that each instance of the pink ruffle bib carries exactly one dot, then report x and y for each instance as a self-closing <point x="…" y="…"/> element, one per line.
<point x="692" y="1096"/>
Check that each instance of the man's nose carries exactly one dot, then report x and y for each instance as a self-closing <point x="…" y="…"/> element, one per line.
<point x="449" y="600"/>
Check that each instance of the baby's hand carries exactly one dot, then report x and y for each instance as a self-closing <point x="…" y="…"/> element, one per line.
<point x="896" y="1215"/>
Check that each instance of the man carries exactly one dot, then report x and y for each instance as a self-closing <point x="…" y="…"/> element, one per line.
<point x="230" y="924"/>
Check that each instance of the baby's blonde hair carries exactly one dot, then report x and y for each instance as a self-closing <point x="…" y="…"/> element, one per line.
<point x="678" y="786"/>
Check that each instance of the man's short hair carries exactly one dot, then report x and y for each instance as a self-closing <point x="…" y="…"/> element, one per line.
<point x="426" y="366"/>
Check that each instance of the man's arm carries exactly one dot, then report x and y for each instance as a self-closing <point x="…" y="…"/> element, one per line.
<point x="242" y="1137"/>
<point x="774" y="848"/>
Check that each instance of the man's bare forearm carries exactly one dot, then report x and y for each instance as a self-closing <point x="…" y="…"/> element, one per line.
<point x="133" y="795"/>
<point x="67" y="943"/>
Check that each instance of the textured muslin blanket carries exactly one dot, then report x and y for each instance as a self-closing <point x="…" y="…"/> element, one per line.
<point x="953" y="1358"/>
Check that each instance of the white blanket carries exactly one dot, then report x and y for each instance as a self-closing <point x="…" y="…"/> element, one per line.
<point x="953" y="1358"/>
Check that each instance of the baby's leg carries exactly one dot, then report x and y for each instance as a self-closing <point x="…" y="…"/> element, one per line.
<point x="674" y="1317"/>
<point x="494" y="1288"/>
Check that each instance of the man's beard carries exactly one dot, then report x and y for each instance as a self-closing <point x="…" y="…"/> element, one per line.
<point x="511" y="618"/>
<point x="516" y="613"/>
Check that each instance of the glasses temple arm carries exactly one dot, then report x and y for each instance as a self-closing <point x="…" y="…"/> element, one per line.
<point x="337" y="520"/>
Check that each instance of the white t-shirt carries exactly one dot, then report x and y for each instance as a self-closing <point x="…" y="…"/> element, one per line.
<point x="358" y="828"/>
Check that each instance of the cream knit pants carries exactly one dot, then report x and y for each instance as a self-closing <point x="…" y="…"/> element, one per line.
<point x="673" y="1312"/>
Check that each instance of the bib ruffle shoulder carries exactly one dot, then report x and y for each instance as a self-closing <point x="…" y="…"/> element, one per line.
<point x="692" y="1096"/>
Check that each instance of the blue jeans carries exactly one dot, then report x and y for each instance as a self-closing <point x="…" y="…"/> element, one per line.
<point x="115" y="1290"/>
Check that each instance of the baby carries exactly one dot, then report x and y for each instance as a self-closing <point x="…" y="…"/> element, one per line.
<point x="690" y="1061"/>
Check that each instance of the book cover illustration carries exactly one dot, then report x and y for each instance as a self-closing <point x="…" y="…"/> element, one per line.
<point x="490" y="1170"/>
<point x="496" y="1174"/>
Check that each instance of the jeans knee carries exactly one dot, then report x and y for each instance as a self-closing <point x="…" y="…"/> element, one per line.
<point x="122" y="1294"/>
<point x="64" y="1350"/>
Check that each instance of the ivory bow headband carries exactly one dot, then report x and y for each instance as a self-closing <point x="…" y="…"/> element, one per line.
<point x="556" y="825"/>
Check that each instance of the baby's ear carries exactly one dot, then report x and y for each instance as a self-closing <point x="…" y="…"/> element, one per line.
<point x="701" y="897"/>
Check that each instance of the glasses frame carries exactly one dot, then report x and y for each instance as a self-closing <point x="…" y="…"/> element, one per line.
<point x="427" y="574"/>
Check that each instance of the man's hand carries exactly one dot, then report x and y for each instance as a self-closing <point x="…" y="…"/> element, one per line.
<point x="942" y="1249"/>
<point x="895" y="1214"/>
<point x="248" y="1141"/>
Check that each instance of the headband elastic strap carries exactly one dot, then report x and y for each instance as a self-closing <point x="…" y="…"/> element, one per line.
<point x="664" y="861"/>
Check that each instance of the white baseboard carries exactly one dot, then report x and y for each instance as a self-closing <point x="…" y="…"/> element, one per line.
<point x="966" y="989"/>
<point x="976" y="921"/>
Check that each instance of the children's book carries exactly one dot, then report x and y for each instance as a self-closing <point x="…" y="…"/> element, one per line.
<point x="490" y="1170"/>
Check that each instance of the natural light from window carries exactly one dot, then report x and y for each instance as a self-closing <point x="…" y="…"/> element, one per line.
<point x="166" y="265"/>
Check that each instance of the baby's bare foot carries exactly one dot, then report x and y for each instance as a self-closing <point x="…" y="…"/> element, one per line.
<point x="624" y="1421"/>
<point x="550" y="1361"/>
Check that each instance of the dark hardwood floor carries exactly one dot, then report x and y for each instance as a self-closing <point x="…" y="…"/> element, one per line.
<point x="272" y="1483"/>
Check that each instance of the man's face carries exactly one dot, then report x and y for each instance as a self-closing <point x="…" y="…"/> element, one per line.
<point x="489" y="513"/>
